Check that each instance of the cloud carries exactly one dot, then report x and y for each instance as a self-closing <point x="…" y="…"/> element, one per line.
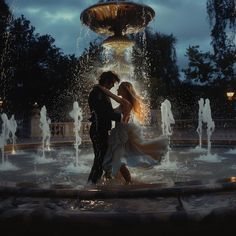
<point x="186" y="20"/>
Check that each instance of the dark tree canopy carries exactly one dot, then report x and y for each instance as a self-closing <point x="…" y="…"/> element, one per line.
<point x="201" y="67"/>
<point x="5" y="20"/>
<point x="35" y="70"/>
<point x="222" y="16"/>
<point x="155" y="56"/>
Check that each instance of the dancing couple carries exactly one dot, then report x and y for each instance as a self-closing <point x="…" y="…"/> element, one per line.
<point x="125" y="140"/>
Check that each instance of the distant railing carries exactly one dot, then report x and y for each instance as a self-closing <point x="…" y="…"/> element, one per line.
<point x="57" y="129"/>
<point x="66" y="129"/>
<point x="61" y="129"/>
<point x="193" y="124"/>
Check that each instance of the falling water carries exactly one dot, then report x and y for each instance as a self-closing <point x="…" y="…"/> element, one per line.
<point x="200" y="121"/>
<point x="167" y="120"/>
<point x="4" y="137"/>
<point x="13" y="128"/>
<point x="207" y="118"/>
<point x="5" y="52"/>
<point x="44" y="126"/>
<point x="76" y="115"/>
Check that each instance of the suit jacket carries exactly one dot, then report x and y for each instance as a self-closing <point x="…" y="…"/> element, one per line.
<point x="101" y="109"/>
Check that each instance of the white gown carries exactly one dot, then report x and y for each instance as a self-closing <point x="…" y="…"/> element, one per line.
<point x="127" y="145"/>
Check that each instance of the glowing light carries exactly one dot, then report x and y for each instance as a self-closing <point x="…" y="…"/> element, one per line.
<point x="119" y="43"/>
<point x="230" y="95"/>
<point x="233" y="179"/>
<point x="1" y="102"/>
<point x="13" y="151"/>
<point x="93" y="190"/>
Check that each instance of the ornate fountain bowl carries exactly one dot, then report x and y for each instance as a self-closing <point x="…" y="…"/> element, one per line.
<point x="117" y="18"/>
<point x="119" y="43"/>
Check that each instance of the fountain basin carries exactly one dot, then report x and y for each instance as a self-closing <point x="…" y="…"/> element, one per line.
<point x="117" y="18"/>
<point x="51" y="200"/>
<point x="186" y="164"/>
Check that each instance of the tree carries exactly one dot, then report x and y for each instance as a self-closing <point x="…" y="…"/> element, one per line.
<point x="5" y="20"/>
<point x="201" y="67"/>
<point x="84" y="73"/>
<point x="222" y="16"/>
<point x="155" y="58"/>
<point x="38" y="70"/>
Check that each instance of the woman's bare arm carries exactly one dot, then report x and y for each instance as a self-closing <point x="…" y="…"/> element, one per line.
<point x="126" y="106"/>
<point x="110" y="94"/>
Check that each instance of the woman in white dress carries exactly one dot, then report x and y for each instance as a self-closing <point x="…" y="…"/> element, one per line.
<point x="126" y="140"/>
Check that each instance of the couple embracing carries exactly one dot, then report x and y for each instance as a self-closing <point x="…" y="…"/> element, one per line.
<point x="125" y="139"/>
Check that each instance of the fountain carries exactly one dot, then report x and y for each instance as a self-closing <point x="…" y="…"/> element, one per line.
<point x="117" y="19"/>
<point x="207" y="118"/>
<point x="44" y="126"/>
<point x="200" y="121"/>
<point x="75" y="166"/>
<point x="193" y="193"/>
<point x="210" y="124"/>
<point x="76" y="115"/>
<point x="13" y="129"/>
<point x="167" y="120"/>
<point x="4" y="137"/>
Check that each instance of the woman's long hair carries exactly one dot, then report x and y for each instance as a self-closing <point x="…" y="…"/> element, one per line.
<point x="135" y="100"/>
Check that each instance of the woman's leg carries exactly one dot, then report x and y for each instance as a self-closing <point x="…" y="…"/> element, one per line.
<point x="117" y="154"/>
<point x="125" y="173"/>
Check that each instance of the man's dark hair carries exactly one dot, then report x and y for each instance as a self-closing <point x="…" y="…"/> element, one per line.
<point x="107" y="77"/>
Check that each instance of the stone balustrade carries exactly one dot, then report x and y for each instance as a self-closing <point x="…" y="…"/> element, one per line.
<point x="224" y="129"/>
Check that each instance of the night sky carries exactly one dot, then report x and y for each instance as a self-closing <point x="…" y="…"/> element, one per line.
<point x="187" y="20"/>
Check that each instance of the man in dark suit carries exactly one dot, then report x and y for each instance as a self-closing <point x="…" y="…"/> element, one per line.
<point x="102" y="115"/>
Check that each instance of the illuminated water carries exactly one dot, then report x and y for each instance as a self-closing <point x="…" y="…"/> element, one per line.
<point x="189" y="166"/>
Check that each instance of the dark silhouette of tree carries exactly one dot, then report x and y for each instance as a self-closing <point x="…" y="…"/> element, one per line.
<point x="201" y="67"/>
<point x="38" y="70"/>
<point x="62" y="93"/>
<point x="209" y="74"/>
<point x="222" y="16"/>
<point x="5" y="20"/>
<point x="84" y="76"/>
<point x="155" y="58"/>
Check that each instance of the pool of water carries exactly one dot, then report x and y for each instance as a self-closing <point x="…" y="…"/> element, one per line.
<point x="183" y="164"/>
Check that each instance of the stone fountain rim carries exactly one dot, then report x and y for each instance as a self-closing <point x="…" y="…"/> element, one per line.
<point x="118" y="4"/>
<point x="121" y="191"/>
